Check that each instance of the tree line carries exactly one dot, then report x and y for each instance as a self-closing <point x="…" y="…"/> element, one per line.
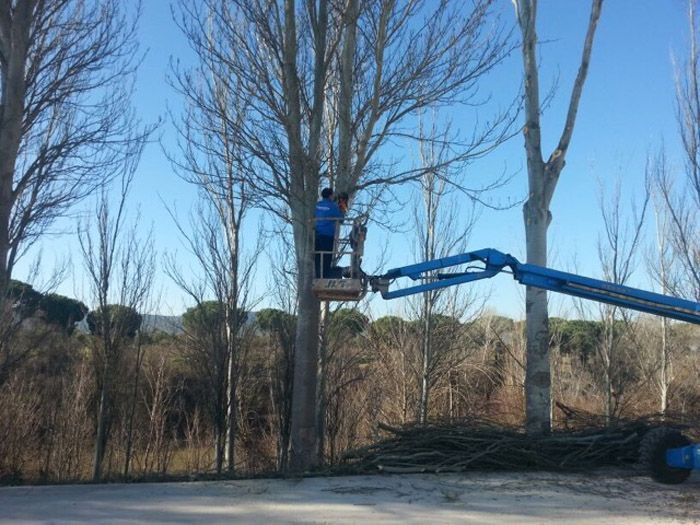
<point x="168" y="410"/>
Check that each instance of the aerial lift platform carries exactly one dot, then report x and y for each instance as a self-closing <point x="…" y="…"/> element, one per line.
<point x="665" y="452"/>
<point x="348" y="283"/>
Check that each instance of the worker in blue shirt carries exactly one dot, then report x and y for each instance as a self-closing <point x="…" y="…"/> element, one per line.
<point x="328" y="214"/>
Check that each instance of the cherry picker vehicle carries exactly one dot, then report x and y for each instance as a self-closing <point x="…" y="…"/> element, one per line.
<point x="668" y="455"/>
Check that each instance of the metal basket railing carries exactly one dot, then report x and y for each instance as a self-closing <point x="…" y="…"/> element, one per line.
<point x="348" y="243"/>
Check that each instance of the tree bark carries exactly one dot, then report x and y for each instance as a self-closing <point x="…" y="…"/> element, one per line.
<point x="664" y="379"/>
<point x="344" y="176"/>
<point x="538" y="380"/>
<point x="102" y="430"/>
<point x="220" y="429"/>
<point x="303" y="450"/>
<point x="14" y="46"/>
<point x="426" y="350"/>
<point x="132" y="406"/>
<point x="231" y="422"/>
<point x="321" y="387"/>
<point x="609" y="344"/>
<point x="233" y="327"/>
<point x="303" y="430"/>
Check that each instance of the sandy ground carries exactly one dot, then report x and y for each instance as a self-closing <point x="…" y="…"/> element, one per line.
<point x="474" y="498"/>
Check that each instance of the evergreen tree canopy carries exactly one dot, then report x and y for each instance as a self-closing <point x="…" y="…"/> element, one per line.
<point x="121" y="320"/>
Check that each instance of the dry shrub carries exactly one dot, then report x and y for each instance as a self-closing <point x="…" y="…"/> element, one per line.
<point x="71" y="450"/>
<point x="20" y="404"/>
<point x="158" y="441"/>
<point x="197" y="454"/>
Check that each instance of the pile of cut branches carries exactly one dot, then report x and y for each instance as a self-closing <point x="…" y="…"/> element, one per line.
<point x="478" y="444"/>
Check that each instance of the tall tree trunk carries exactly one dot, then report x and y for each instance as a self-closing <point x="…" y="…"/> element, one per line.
<point x="132" y="407"/>
<point x="425" y="365"/>
<point x="101" y="434"/>
<point x="450" y="398"/>
<point x="321" y="388"/>
<point x="664" y="379"/>
<point x="285" y="411"/>
<point x="303" y="430"/>
<point x="664" y="358"/>
<point x="6" y="201"/>
<point x="344" y="175"/>
<point x="103" y="416"/>
<point x="219" y="444"/>
<point x="231" y="422"/>
<point x="538" y="380"/>
<point x="232" y="328"/>
<point x="431" y="198"/>
<point x="303" y="450"/>
<point x="609" y="348"/>
<point x="15" y="44"/>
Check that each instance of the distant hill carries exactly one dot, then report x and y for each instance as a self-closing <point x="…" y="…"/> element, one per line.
<point x="172" y="324"/>
<point x="169" y="324"/>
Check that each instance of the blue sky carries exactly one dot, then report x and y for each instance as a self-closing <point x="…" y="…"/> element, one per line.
<point x="627" y="110"/>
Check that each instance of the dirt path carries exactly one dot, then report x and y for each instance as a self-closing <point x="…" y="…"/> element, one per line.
<point x="473" y="498"/>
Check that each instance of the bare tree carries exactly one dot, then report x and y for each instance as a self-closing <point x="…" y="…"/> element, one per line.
<point x="662" y="266"/>
<point x="219" y="287"/>
<point x="395" y="344"/>
<point x="497" y="368"/>
<point x="682" y="197"/>
<point x="678" y="200"/>
<point x="543" y="177"/>
<point x="212" y="159"/>
<point x="120" y="268"/>
<point x="441" y="228"/>
<point x="617" y="251"/>
<point x="66" y="123"/>
<point x="388" y="60"/>
<point x="160" y="392"/>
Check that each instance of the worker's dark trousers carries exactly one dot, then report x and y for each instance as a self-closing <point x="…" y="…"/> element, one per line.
<point x="323" y="262"/>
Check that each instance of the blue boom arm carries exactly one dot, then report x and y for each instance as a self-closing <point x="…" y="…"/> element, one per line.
<point x="484" y="264"/>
